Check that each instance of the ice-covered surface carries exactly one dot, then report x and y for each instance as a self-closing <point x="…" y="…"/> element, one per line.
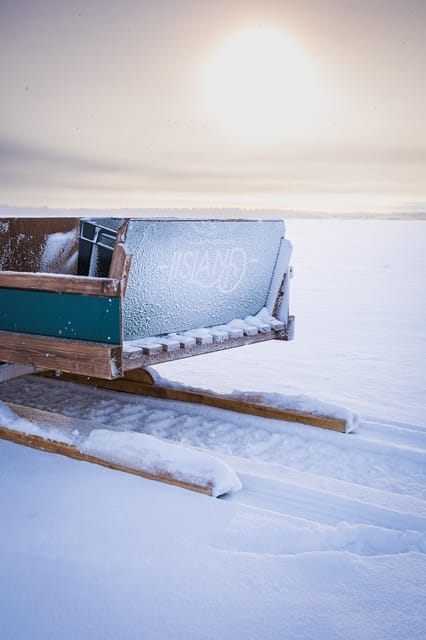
<point x="188" y="274"/>
<point x="326" y="540"/>
<point x="141" y="451"/>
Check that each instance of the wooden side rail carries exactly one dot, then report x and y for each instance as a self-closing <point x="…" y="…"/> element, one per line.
<point x="58" y="283"/>
<point x="58" y="354"/>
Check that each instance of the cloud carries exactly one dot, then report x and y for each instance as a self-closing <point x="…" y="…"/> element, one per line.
<point x="17" y="157"/>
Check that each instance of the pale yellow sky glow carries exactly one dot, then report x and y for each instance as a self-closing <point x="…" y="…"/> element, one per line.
<point x="262" y="88"/>
<point x="316" y="105"/>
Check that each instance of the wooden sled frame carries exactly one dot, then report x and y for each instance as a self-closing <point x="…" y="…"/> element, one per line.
<point x="77" y="330"/>
<point x="90" y="341"/>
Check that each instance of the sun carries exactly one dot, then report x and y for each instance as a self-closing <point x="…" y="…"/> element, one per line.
<point x="260" y="85"/>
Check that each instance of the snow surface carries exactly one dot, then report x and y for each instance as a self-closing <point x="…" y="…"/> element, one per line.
<point x="142" y="451"/>
<point x="10" y="420"/>
<point x="327" y="538"/>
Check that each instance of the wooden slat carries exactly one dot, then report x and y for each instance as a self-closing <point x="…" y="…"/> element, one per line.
<point x="57" y="354"/>
<point x="84" y="285"/>
<point x="186" y="342"/>
<point x="121" y="261"/>
<point x="201" y="338"/>
<point x="217" y="401"/>
<point x="134" y="359"/>
<point x="52" y="446"/>
<point x="219" y="335"/>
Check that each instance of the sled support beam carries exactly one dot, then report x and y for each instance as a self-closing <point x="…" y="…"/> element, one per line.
<point x="140" y="382"/>
<point x="68" y="425"/>
<point x="58" y="354"/>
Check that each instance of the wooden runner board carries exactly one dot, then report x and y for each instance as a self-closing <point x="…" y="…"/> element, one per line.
<point x="137" y="382"/>
<point x="68" y="425"/>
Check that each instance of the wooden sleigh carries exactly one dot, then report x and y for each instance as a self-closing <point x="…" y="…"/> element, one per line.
<point x="108" y="325"/>
<point x="98" y="301"/>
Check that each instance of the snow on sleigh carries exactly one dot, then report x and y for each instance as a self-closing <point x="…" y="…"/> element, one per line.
<point x="98" y="300"/>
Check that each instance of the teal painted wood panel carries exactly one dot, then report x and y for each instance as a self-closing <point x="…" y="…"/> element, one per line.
<point x="61" y="315"/>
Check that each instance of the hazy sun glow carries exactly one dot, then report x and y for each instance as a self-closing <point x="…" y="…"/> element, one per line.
<point x="260" y="85"/>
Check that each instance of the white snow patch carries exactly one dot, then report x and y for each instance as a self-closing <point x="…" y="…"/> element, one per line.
<point x="58" y="244"/>
<point x="10" y="420"/>
<point x="159" y="457"/>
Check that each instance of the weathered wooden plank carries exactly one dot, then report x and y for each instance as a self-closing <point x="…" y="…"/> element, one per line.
<point x="140" y="375"/>
<point x="200" y="335"/>
<point x="121" y="261"/>
<point x="219" y="335"/>
<point x="71" y="451"/>
<point x="186" y="342"/>
<point x="220" y="402"/>
<point x="168" y="344"/>
<point x="39" y="244"/>
<point x="57" y="354"/>
<point x="262" y="327"/>
<point x="65" y="315"/>
<point x="84" y="285"/>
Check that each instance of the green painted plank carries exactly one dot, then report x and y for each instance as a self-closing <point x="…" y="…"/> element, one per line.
<point x="61" y="315"/>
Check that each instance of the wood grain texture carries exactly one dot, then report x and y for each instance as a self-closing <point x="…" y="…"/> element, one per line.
<point x="84" y="285"/>
<point x="57" y="354"/>
<point x="52" y="446"/>
<point x="39" y="244"/>
<point x="253" y="407"/>
<point x="139" y="375"/>
<point x="137" y="359"/>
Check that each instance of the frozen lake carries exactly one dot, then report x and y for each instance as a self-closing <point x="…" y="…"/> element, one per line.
<point x="359" y="296"/>
<point x="325" y="540"/>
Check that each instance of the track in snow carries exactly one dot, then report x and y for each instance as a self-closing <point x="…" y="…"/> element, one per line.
<point x="316" y="490"/>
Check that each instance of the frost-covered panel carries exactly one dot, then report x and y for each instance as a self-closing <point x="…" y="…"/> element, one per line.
<point x="196" y="273"/>
<point x="49" y="245"/>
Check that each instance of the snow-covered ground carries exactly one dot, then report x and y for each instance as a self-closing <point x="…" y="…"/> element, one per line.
<point x="327" y="538"/>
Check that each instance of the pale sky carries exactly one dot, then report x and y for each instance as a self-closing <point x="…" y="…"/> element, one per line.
<point x="308" y="105"/>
